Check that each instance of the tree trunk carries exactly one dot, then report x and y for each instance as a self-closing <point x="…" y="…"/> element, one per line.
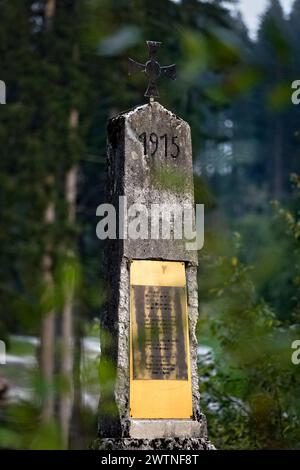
<point x="48" y="328"/>
<point x="49" y="12"/>
<point x="65" y="405"/>
<point x="278" y="166"/>
<point x="48" y="320"/>
<point x="278" y="149"/>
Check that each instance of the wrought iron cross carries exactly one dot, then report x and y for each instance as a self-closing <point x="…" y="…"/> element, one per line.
<point x="152" y="69"/>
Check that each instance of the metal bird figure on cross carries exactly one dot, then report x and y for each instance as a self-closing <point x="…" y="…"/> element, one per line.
<point x="152" y="69"/>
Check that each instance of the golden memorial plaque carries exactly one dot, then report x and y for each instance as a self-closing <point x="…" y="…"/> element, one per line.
<point x="160" y="378"/>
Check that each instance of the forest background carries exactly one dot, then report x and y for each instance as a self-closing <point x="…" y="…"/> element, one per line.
<point x="65" y="68"/>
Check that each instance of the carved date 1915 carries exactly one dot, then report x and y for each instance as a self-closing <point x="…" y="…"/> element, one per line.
<point x="152" y="142"/>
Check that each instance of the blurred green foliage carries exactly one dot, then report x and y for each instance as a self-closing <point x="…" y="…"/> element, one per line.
<point x="250" y="391"/>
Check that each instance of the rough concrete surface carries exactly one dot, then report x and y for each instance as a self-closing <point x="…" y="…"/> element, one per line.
<point x="153" y="444"/>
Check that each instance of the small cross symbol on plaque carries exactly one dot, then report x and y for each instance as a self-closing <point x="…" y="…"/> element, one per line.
<point x="152" y="69"/>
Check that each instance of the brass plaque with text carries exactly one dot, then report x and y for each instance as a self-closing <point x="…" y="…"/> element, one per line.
<point x="159" y="346"/>
<point x="160" y="373"/>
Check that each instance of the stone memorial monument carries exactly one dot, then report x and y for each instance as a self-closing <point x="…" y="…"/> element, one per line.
<point x="148" y="369"/>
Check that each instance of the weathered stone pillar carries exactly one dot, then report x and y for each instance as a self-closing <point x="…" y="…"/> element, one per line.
<point x="150" y="162"/>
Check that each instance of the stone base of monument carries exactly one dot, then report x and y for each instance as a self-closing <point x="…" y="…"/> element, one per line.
<point x="161" y="428"/>
<point x="159" y="434"/>
<point x="170" y="443"/>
